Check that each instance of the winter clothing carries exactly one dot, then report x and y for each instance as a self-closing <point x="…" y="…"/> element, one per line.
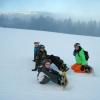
<point x="40" y="58"/>
<point x="77" y="44"/>
<point x="36" y="50"/>
<point x="42" y="78"/>
<point x="58" y="62"/>
<point x="41" y="46"/>
<point x="80" y="56"/>
<point x="48" y="74"/>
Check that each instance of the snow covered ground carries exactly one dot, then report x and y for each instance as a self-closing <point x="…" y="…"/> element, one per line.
<point x="18" y="82"/>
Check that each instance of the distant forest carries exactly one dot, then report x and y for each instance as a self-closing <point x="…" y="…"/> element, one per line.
<point x="48" y="23"/>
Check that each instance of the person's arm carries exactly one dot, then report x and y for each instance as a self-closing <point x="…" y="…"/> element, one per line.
<point x="74" y="53"/>
<point x="54" y="72"/>
<point x="45" y="53"/>
<point x="37" y="56"/>
<point x="34" y="51"/>
<point x="82" y="55"/>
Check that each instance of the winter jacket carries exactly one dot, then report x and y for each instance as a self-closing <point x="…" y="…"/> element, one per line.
<point x="47" y="74"/>
<point x="80" y="56"/>
<point x="41" y="56"/>
<point x="36" y="50"/>
<point x="58" y="62"/>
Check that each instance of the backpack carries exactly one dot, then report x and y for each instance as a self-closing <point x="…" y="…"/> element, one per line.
<point x="86" y="55"/>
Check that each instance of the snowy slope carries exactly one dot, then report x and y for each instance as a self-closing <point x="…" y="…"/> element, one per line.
<point x="18" y="82"/>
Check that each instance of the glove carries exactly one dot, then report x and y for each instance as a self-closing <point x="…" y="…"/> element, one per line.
<point x="60" y="72"/>
<point x="64" y="74"/>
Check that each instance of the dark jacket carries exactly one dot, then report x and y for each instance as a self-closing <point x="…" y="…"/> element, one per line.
<point x="50" y="73"/>
<point x="58" y="62"/>
<point x="50" y="70"/>
<point x="41" y="56"/>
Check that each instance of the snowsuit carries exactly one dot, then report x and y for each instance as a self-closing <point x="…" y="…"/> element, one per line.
<point x="47" y="74"/>
<point x="58" y="62"/>
<point x="40" y="58"/>
<point x="81" y="62"/>
<point x="36" y="50"/>
<point x="80" y="57"/>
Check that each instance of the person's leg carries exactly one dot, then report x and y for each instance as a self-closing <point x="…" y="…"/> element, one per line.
<point x="56" y="78"/>
<point x="36" y="66"/>
<point x="88" y="69"/>
<point x="42" y="78"/>
<point x="45" y="80"/>
<point x="82" y="68"/>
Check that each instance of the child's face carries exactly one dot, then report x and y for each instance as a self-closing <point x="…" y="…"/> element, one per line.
<point x="76" y="47"/>
<point x="42" y="49"/>
<point x="36" y="45"/>
<point x="47" y="64"/>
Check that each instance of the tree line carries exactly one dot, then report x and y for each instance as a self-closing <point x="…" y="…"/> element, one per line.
<point x="47" y="23"/>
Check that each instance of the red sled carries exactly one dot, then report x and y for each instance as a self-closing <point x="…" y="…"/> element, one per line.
<point x="78" y="69"/>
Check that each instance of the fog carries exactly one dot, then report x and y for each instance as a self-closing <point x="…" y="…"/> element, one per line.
<point x="48" y="22"/>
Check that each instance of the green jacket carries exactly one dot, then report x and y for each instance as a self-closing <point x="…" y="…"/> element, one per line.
<point x="80" y="58"/>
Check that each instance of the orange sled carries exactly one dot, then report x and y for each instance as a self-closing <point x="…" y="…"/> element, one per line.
<point x="77" y="68"/>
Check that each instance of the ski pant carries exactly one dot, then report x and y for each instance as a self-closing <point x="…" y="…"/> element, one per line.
<point x="56" y="78"/>
<point x="38" y="64"/>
